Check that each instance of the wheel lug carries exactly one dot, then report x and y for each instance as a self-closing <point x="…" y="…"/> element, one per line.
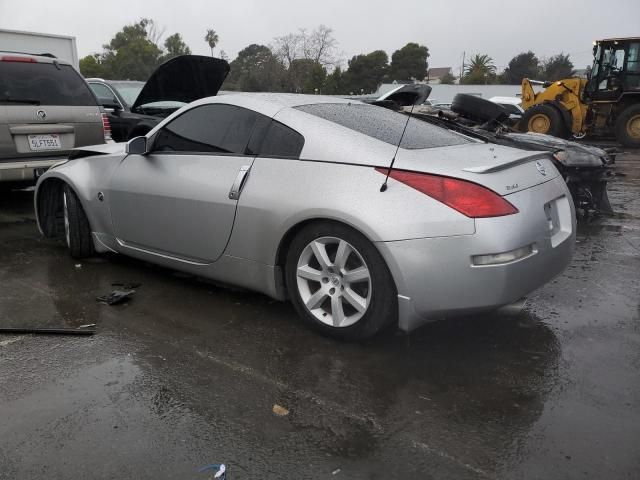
<point x="332" y="291"/>
<point x="325" y="280"/>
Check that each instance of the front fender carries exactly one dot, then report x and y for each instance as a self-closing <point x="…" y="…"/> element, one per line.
<point x="87" y="177"/>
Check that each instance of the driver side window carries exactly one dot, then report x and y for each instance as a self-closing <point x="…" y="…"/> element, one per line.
<point x="215" y="128"/>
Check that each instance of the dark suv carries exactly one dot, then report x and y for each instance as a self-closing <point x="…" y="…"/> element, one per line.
<point x="46" y="109"/>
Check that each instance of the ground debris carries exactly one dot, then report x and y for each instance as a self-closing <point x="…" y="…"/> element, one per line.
<point x="116" y="296"/>
<point x="280" y="410"/>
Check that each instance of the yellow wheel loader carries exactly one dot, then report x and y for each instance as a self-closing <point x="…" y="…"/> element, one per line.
<point x="606" y="104"/>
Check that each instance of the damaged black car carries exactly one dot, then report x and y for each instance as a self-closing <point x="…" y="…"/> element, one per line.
<point x="585" y="168"/>
<point x="134" y="108"/>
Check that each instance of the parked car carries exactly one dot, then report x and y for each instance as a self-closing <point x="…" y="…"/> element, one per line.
<point x="513" y="105"/>
<point x="134" y="107"/>
<point x="46" y="109"/>
<point x="284" y="194"/>
<point x="586" y="168"/>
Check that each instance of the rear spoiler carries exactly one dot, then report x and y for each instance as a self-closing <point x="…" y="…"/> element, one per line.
<point x="504" y="166"/>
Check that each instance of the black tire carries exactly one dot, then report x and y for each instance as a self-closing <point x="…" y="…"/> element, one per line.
<point x="545" y="119"/>
<point x="77" y="229"/>
<point x="477" y="108"/>
<point x="628" y="127"/>
<point x="382" y="308"/>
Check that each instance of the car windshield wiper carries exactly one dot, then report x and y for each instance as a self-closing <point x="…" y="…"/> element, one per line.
<point x="30" y="101"/>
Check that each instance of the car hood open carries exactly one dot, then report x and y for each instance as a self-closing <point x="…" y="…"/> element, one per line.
<point x="406" y="95"/>
<point x="184" y="79"/>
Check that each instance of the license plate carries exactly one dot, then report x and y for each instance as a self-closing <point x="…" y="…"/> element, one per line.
<point x="44" y="142"/>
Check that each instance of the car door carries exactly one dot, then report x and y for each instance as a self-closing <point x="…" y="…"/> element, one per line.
<point x="180" y="199"/>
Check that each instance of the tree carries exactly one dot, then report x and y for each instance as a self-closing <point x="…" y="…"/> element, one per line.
<point x="318" y="46"/>
<point x="256" y="69"/>
<point x="306" y="75"/>
<point x="447" y="79"/>
<point x="523" y="65"/>
<point x="91" y="66"/>
<point x="175" y="47"/>
<point x="212" y="39"/>
<point x="410" y="62"/>
<point x="479" y="71"/>
<point x="366" y="72"/>
<point x="131" y="55"/>
<point x="335" y="83"/>
<point x="321" y="46"/>
<point x="557" y="67"/>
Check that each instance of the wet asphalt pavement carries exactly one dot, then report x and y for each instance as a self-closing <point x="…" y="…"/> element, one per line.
<point x="187" y="374"/>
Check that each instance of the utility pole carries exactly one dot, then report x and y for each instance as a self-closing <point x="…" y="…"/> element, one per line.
<point x="462" y="68"/>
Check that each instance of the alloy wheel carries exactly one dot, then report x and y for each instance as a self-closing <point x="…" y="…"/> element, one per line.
<point x="334" y="281"/>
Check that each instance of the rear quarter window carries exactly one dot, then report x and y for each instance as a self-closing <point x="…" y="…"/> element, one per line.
<point x="385" y="125"/>
<point x="281" y="141"/>
<point x="43" y="84"/>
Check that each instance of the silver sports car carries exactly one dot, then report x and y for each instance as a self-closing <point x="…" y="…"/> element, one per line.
<point x="288" y="195"/>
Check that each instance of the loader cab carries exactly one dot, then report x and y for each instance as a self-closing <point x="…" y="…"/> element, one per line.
<point x="616" y="69"/>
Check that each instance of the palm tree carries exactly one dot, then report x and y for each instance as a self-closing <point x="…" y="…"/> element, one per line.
<point x="480" y="69"/>
<point x="212" y="39"/>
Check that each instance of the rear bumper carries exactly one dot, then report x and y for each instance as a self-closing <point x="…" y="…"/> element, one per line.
<point x="25" y="170"/>
<point x="438" y="277"/>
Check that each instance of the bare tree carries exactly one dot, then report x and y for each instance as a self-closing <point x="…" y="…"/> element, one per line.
<point x="154" y="32"/>
<point x="289" y="47"/>
<point x="319" y="46"/>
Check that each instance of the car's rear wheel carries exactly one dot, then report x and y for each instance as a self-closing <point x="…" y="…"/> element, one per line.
<point x="339" y="282"/>
<point x="77" y="231"/>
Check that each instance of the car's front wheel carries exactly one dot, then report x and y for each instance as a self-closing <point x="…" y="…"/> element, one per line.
<point x="339" y="282"/>
<point x="77" y="231"/>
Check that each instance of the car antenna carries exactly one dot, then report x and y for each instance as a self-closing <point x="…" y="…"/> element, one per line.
<point x="383" y="187"/>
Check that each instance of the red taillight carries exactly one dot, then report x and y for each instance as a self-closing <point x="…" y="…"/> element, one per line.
<point x="106" y="127"/>
<point x="468" y="198"/>
<point x="14" y="58"/>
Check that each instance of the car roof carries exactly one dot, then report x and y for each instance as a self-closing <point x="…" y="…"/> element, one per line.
<point x="288" y="99"/>
<point x="40" y="58"/>
<point x="271" y="103"/>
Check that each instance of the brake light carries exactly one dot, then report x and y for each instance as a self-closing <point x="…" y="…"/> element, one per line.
<point x="14" y="58"/>
<point x="106" y="128"/>
<point x="468" y="198"/>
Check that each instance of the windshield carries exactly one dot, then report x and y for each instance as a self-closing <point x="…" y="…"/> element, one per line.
<point x="43" y="84"/>
<point x="386" y="125"/>
<point x="129" y="91"/>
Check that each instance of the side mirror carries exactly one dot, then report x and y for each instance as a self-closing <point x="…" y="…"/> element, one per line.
<point x="137" y="146"/>
<point x="109" y="103"/>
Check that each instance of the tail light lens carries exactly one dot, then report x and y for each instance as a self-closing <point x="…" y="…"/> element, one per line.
<point x="468" y="198"/>
<point x="106" y="128"/>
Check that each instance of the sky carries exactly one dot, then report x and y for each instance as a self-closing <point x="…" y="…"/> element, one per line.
<point x="500" y="29"/>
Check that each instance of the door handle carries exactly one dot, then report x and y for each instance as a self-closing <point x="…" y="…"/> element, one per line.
<point x="234" y="193"/>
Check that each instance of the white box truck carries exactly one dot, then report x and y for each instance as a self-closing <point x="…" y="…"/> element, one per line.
<point x="61" y="46"/>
